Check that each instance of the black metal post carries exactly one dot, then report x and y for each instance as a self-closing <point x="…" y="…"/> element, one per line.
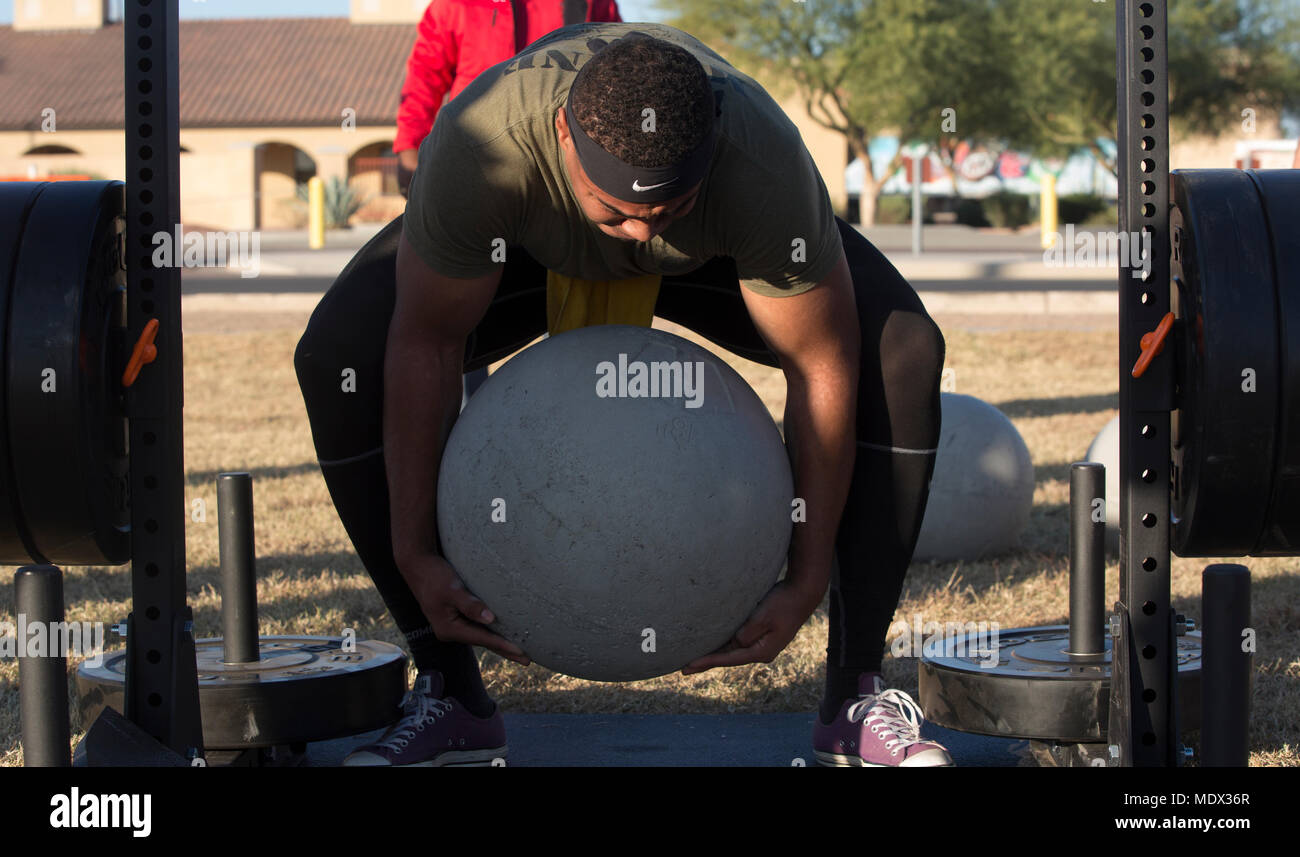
<point x="1142" y="726"/>
<point x="42" y="680"/>
<point x="238" y="568"/>
<point x="1226" y="666"/>
<point x="162" y="694"/>
<point x="1087" y="558"/>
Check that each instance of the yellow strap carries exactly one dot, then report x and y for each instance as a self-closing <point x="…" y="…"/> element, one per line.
<point x="572" y="303"/>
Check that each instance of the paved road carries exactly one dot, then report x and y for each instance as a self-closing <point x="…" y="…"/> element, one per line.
<point x="957" y="259"/>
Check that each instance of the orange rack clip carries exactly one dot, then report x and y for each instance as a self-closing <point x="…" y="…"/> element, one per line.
<point x="1153" y="343"/>
<point x="144" y="352"/>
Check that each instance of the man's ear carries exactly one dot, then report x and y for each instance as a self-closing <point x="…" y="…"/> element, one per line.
<point x="562" y="127"/>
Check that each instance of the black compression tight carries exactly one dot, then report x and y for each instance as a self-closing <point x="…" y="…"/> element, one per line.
<point x="897" y="427"/>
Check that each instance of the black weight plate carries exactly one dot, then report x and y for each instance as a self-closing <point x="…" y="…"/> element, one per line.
<point x="1035" y="690"/>
<point x="303" y="689"/>
<point x="1280" y="190"/>
<point x="67" y="311"/>
<point x="1223" y="294"/>
<point x="16" y="200"/>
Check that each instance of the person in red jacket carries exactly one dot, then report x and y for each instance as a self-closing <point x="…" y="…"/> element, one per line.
<point x="460" y="38"/>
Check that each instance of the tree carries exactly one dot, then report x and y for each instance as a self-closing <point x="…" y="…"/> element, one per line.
<point x="927" y="69"/>
<point x="1037" y="75"/>
<point x="1225" y="56"/>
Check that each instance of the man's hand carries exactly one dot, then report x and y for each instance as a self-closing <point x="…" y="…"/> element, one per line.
<point x="409" y="159"/>
<point x="769" y="629"/>
<point x="453" y="611"/>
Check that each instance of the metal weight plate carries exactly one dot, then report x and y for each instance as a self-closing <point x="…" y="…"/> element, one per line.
<point x="303" y="689"/>
<point x="66" y="420"/>
<point x="1033" y="689"/>
<point x="16" y="200"/>
<point x="1280" y="190"/>
<point x="1225" y="422"/>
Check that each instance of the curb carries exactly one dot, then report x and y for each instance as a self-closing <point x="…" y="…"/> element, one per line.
<point x="1022" y="303"/>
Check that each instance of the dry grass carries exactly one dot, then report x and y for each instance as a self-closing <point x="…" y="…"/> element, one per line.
<point x="244" y="413"/>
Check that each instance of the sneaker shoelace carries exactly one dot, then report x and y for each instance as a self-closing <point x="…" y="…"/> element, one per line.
<point x="893" y="715"/>
<point x="421" y="710"/>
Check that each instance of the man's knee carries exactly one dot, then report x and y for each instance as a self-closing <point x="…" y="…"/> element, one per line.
<point x="913" y="348"/>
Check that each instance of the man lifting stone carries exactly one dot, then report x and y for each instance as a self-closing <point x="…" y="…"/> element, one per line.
<point x="632" y="163"/>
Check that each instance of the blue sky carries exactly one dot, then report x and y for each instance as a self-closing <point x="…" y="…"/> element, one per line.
<point x="632" y="10"/>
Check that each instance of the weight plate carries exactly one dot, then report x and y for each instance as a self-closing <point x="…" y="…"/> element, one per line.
<point x="1280" y="190"/>
<point x="66" y="419"/>
<point x="1035" y="690"/>
<point x="1227" y="372"/>
<point x="303" y="689"/>
<point x="16" y="200"/>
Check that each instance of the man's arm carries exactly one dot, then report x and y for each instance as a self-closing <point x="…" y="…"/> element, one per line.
<point x="815" y="337"/>
<point x="423" y="366"/>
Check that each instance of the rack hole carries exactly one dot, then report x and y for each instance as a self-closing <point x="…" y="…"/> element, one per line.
<point x="1149" y="520"/>
<point x="1149" y="564"/>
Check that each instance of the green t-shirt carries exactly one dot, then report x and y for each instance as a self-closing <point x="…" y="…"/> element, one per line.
<point x="492" y="175"/>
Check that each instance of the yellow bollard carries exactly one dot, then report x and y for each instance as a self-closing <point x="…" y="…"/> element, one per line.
<point x="315" y="213"/>
<point x="1048" y="212"/>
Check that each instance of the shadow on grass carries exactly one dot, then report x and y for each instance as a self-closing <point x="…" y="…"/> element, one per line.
<point x="1056" y="405"/>
<point x="205" y="478"/>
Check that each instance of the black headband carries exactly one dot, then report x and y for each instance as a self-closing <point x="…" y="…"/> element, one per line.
<point x="638" y="184"/>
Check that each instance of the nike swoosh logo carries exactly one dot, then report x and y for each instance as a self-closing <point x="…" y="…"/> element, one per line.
<point x="637" y="186"/>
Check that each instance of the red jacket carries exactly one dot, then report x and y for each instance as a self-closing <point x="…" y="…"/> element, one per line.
<point x="457" y="39"/>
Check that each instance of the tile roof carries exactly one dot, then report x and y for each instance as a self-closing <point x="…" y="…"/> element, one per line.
<point x="254" y="72"/>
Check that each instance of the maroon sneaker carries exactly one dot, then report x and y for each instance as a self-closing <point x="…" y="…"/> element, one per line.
<point x="434" y="732"/>
<point x="881" y="728"/>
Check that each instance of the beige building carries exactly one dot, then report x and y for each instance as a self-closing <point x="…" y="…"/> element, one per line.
<point x="265" y="105"/>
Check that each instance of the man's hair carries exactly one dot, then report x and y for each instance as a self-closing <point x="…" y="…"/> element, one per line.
<point x="620" y="81"/>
